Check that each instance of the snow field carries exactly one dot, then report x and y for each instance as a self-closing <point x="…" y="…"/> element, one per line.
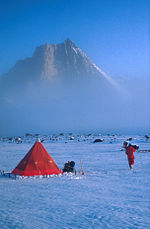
<point x="109" y="195"/>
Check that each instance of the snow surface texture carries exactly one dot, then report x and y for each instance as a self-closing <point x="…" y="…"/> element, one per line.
<point x="109" y="195"/>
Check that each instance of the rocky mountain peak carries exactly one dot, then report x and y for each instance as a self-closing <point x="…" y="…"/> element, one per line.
<point x="69" y="42"/>
<point x="63" y="61"/>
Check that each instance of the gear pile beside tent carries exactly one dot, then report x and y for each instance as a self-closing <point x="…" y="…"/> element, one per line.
<point x="37" y="162"/>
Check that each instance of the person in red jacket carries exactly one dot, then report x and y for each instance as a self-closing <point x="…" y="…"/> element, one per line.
<point x="129" y="151"/>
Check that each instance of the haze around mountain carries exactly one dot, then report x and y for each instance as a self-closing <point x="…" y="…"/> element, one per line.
<point x="60" y="88"/>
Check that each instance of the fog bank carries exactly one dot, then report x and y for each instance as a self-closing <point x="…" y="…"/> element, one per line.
<point x="45" y="108"/>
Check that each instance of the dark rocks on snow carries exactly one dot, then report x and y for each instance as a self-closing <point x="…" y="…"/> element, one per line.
<point x="98" y="140"/>
<point x="146" y="136"/>
<point x="28" y="135"/>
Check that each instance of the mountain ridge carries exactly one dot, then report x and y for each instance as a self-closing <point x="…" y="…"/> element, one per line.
<point x="51" y="61"/>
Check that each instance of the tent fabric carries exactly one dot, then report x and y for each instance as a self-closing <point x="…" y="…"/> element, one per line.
<point x="37" y="162"/>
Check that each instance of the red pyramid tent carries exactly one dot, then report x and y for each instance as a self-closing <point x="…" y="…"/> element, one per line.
<point x="37" y="162"/>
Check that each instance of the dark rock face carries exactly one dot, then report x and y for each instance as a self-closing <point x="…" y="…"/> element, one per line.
<point x="64" y="60"/>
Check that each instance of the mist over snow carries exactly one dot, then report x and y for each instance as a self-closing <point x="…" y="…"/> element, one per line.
<point x="77" y="107"/>
<point x="61" y="89"/>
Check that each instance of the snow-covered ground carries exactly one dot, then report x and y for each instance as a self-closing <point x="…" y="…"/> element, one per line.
<point x="109" y="195"/>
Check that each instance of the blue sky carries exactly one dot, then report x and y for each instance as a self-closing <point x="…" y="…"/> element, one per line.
<point x="114" y="34"/>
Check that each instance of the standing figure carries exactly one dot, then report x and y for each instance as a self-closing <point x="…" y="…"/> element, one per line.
<point x="129" y="151"/>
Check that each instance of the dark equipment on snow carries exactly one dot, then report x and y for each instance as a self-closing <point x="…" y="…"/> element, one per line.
<point x="69" y="167"/>
<point x="136" y="147"/>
